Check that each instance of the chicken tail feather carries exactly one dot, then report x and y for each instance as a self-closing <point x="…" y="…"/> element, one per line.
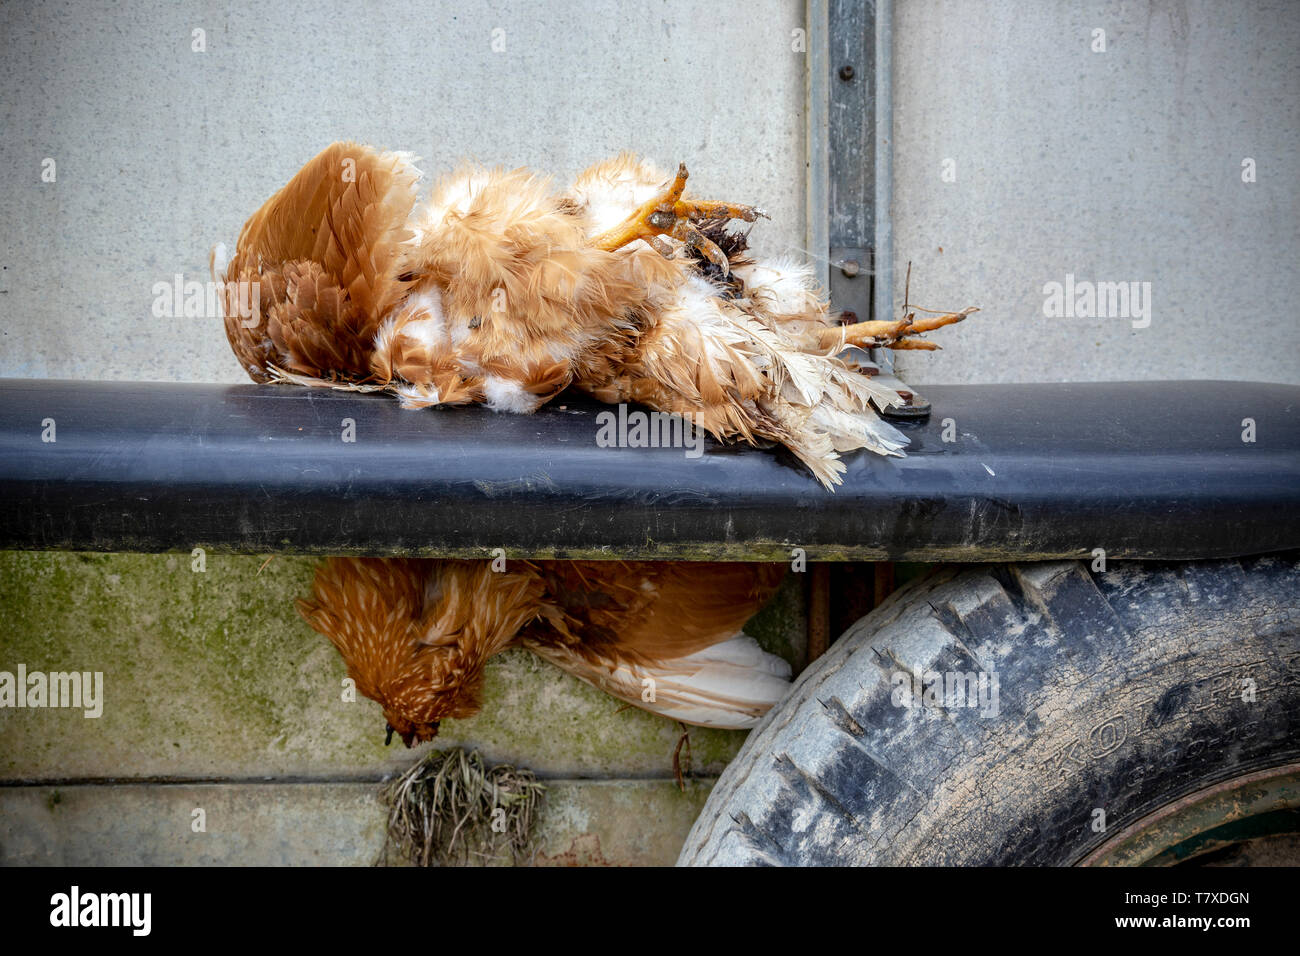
<point x="729" y="685"/>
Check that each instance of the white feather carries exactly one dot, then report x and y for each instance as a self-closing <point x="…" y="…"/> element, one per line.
<point x="507" y="395"/>
<point x="729" y="685"/>
<point x="608" y="196"/>
<point x="782" y="286"/>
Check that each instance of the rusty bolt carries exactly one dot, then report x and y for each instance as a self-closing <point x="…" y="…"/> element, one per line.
<point x="846" y="73"/>
<point x="851" y="268"/>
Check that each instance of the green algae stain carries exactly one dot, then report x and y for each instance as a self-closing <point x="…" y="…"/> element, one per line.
<point x="213" y="673"/>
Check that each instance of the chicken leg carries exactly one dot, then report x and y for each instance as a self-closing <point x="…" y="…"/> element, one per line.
<point x="669" y="215"/>
<point x="888" y="334"/>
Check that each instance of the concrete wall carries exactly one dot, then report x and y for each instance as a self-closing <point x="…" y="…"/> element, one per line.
<point x="161" y="152"/>
<point x="218" y="696"/>
<point x="1117" y="166"/>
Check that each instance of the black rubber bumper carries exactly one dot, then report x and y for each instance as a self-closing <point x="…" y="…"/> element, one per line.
<point x="1143" y="470"/>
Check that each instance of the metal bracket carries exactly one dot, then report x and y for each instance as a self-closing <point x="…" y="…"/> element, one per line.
<point x="850" y="280"/>
<point x="855" y="78"/>
<point x="851" y="155"/>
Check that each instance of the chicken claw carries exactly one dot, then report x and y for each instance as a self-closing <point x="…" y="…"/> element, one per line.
<point x="669" y="215"/>
<point x="887" y="334"/>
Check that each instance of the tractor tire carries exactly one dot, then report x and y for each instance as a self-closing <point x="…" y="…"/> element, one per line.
<point x="1120" y="693"/>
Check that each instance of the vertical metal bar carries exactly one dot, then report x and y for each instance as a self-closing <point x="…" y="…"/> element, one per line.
<point x="884" y="583"/>
<point x="852" y="595"/>
<point x="883" y="288"/>
<point x="819" y="609"/>
<point x="816" y="137"/>
<point x="852" y="156"/>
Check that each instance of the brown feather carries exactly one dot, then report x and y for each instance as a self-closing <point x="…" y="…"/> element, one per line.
<point x="640" y="611"/>
<point x="415" y="634"/>
<point x="327" y="248"/>
<point x="500" y="290"/>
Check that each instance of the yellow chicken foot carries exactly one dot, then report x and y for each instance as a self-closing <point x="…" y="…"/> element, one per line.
<point x="929" y="323"/>
<point x="891" y="334"/>
<point x="926" y="324"/>
<point x="669" y="215"/>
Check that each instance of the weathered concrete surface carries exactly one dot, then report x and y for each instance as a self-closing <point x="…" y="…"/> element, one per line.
<point x="1115" y="166"/>
<point x="213" y="674"/>
<point x="161" y="151"/>
<point x="580" y="822"/>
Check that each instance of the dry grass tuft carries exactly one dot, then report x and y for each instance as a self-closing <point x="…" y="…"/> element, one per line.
<point x="450" y="810"/>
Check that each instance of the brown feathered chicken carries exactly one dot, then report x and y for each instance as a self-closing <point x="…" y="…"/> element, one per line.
<point x="502" y="290"/>
<point x="666" y="637"/>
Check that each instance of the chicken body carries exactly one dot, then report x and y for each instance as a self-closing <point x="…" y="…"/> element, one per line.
<point x="500" y="290"/>
<point x="416" y="633"/>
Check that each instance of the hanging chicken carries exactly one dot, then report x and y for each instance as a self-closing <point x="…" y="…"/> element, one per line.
<point x="502" y="291"/>
<point x="666" y="637"/>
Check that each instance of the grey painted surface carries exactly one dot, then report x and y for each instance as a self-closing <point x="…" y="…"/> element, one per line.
<point x="1114" y="166"/>
<point x="161" y="152"/>
<point x="1122" y="165"/>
